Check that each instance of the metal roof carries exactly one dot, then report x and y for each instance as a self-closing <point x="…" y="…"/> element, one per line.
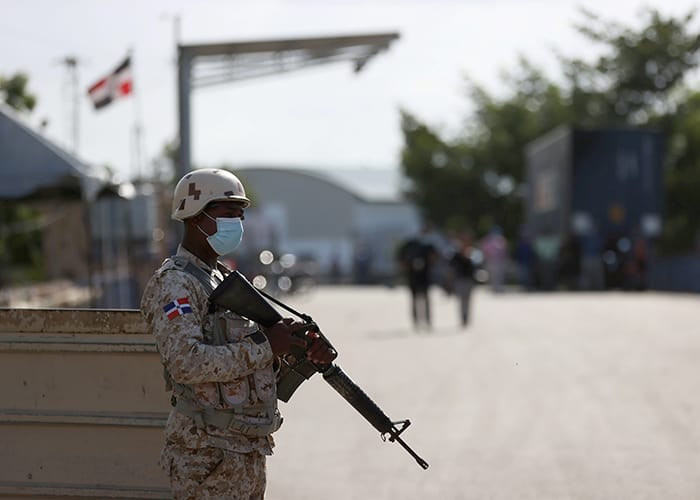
<point x="31" y="165"/>
<point x="372" y="185"/>
<point x="231" y="61"/>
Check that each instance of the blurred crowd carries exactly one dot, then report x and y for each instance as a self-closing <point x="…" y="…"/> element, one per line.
<point x="457" y="262"/>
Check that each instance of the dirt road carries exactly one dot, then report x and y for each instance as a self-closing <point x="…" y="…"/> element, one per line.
<point x="543" y="396"/>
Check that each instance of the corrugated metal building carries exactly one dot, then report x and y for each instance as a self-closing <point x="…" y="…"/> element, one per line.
<point x="348" y="220"/>
<point x="33" y="167"/>
<point x="36" y="171"/>
<point x="81" y="211"/>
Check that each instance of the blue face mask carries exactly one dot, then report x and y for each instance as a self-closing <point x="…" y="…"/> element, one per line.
<point x="228" y="235"/>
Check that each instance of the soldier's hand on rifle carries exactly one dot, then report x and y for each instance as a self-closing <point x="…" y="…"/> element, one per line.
<point x="319" y="352"/>
<point x="282" y="339"/>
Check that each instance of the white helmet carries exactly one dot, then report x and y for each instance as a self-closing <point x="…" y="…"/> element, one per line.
<point x="200" y="187"/>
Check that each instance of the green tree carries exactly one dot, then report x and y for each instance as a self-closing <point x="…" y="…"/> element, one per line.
<point x="499" y="132"/>
<point x="20" y="243"/>
<point x="20" y="238"/>
<point x="639" y="79"/>
<point x="442" y="180"/>
<point x="476" y="180"/>
<point x="15" y="93"/>
<point x="682" y="203"/>
<point x="639" y="72"/>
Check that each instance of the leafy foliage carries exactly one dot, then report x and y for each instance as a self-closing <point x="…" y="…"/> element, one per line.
<point x="20" y="239"/>
<point x="682" y="203"/>
<point x="477" y="179"/>
<point x="636" y="77"/>
<point x="21" y="257"/>
<point x="15" y="93"/>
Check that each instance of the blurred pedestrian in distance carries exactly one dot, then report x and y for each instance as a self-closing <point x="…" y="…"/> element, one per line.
<point x="546" y="247"/>
<point x="570" y="263"/>
<point x="416" y="257"/>
<point x="495" y="249"/>
<point x="362" y="262"/>
<point x="463" y="268"/>
<point x="335" y="273"/>
<point x="636" y="266"/>
<point x="592" y="275"/>
<point x="525" y="257"/>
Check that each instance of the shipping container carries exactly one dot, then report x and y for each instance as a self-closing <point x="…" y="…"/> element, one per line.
<point x="594" y="188"/>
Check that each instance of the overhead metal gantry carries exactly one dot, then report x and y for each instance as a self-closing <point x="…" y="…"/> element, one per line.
<point x="218" y="63"/>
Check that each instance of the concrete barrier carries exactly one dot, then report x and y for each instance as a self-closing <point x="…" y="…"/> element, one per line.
<point x="82" y="405"/>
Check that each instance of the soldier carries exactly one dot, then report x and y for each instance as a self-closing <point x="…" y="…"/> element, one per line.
<point x="220" y="367"/>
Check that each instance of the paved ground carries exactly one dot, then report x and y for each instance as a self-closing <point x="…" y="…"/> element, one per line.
<point x="544" y="396"/>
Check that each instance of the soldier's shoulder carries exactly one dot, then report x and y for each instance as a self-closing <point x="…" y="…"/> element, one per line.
<point x="171" y="273"/>
<point x="171" y="264"/>
<point x="172" y="269"/>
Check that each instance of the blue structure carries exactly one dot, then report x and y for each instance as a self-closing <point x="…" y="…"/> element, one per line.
<point x="596" y="191"/>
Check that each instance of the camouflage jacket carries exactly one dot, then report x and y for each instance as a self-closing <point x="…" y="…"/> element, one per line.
<point x="175" y="307"/>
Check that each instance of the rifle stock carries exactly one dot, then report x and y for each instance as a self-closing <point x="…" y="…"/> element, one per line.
<point x="237" y="294"/>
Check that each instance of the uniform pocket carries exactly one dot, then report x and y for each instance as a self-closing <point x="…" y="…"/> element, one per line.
<point x="200" y="464"/>
<point x="190" y="468"/>
<point x="235" y="392"/>
<point x="209" y="460"/>
<point x="265" y="384"/>
<point x="238" y="328"/>
<point x="206" y="395"/>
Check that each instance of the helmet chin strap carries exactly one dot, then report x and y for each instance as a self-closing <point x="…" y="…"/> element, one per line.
<point x="202" y="230"/>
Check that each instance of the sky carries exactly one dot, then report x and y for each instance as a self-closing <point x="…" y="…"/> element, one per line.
<point x="326" y="117"/>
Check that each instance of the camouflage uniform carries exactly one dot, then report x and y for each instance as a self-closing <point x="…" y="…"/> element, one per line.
<point x="204" y="460"/>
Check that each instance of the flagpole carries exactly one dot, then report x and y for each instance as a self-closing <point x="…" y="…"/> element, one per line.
<point x="137" y="137"/>
<point x="138" y="182"/>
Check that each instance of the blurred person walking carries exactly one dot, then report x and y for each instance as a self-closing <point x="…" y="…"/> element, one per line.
<point x="417" y="256"/>
<point x="592" y="275"/>
<point x="463" y="266"/>
<point x="524" y="254"/>
<point x="495" y="249"/>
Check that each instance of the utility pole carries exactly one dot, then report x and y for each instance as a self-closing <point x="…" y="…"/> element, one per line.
<point x="73" y="97"/>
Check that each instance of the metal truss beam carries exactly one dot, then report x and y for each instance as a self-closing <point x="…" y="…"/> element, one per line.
<point x="206" y="65"/>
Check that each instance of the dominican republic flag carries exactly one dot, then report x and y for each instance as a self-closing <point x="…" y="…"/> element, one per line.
<point x="118" y="83"/>
<point x="177" y="307"/>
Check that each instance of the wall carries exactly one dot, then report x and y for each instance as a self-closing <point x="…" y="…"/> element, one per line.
<point x="65" y="240"/>
<point x="82" y="405"/>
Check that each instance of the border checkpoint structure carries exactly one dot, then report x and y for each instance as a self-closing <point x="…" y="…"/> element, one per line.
<point x="205" y="65"/>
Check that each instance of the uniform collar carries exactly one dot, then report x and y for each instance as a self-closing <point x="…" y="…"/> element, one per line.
<point x="183" y="252"/>
<point x="220" y="271"/>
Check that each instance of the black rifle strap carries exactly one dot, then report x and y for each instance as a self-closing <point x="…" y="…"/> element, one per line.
<point x="208" y="281"/>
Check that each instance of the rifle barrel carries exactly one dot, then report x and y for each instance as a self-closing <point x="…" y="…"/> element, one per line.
<point x="364" y="405"/>
<point x="418" y="459"/>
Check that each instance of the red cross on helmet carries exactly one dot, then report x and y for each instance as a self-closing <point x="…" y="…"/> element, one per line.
<point x="200" y="187"/>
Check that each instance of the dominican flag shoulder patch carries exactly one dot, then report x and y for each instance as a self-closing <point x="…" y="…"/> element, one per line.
<point x="177" y="307"/>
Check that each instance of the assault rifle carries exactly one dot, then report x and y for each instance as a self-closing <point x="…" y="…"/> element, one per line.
<point x="236" y="294"/>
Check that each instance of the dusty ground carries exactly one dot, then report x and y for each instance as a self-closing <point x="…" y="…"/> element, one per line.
<point x="544" y="396"/>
